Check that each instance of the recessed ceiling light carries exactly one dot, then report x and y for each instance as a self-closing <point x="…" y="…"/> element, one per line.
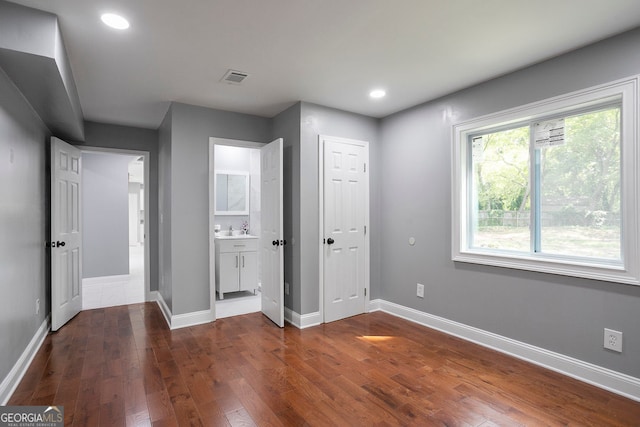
<point x="115" y="21"/>
<point x="377" y="93"/>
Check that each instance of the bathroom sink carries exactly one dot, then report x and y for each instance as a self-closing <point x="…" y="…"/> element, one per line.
<point x="225" y="235"/>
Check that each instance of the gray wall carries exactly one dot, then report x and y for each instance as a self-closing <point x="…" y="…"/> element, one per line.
<point x="190" y="129"/>
<point x="286" y="125"/>
<point x="562" y="314"/>
<point x="24" y="224"/>
<point x="164" y="206"/>
<point x="318" y="120"/>
<point x="105" y="214"/>
<point x="139" y="139"/>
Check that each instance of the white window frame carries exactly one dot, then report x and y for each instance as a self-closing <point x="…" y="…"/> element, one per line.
<point x="627" y="271"/>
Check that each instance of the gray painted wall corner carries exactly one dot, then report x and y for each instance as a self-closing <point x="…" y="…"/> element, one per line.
<point x="286" y="125"/>
<point x="190" y="130"/>
<point x="164" y="210"/>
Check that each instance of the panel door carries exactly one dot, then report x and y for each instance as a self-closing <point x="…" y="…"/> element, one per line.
<point x="345" y="218"/>
<point x="66" y="233"/>
<point x="271" y="239"/>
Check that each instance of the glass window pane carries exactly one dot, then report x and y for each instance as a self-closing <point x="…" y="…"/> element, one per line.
<point x="500" y="207"/>
<point x="580" y="188"/>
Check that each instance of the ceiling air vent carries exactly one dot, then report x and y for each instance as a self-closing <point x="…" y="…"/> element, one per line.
<point x="234" y="77"/>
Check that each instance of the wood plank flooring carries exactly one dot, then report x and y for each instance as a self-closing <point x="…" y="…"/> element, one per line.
<point x="123" y="366"/>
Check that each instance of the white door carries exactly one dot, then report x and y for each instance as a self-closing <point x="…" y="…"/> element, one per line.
<point x="345" y="217"/>
<point x="66" y="237"/>
<point x="271" y="239"/>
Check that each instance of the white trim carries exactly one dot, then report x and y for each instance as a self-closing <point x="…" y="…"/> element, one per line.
<point x="367" y="248"/>
<point x="191" y="319"/>
<point x="181" y="320"/>
<point x="302" y="321"/>
<point x="613" y="381"/>
<point x="310" y="319"/>
<point x="212" y="244"/>
<point x="15" y="375"/>
<point x="292" y="317"/>
<point x="164" y="308"/>
<point x="629" y="273"/>
<point x="321" y="227"/>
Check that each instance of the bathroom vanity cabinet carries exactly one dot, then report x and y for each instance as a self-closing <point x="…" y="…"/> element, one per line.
<point x="236" y="264"/>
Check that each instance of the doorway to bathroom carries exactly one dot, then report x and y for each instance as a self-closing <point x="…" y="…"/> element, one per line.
<point x="246" y="241"/>
<point x="236" y="217"/>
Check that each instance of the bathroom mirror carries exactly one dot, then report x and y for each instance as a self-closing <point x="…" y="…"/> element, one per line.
<point x="232" y="193"/>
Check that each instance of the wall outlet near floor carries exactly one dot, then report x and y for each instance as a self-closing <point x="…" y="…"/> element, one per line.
<point x="420" y="290"/>
<point x="38" y="306"/>
<point x="613" y="340"/>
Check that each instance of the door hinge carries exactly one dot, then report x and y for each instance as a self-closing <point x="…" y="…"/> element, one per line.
<point x="365" y="167"/>
<point x="365" y="292"/>
<point x="365" y="229"/>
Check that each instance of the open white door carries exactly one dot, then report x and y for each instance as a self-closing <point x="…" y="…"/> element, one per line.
<point x="66" y="237"/>
<point x="272" y="240"/>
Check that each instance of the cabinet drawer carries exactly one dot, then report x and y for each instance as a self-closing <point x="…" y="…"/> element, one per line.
<point x="237" y="245"/>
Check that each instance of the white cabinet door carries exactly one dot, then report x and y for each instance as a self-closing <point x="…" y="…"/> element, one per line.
<point x="228" y="265"/>
<point x="248" y="271"/>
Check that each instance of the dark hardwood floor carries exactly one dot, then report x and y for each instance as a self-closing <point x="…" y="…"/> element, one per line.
<point x="123" y="366"/>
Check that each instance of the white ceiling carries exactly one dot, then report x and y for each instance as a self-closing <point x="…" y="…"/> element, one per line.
<point x="330" y="52"/>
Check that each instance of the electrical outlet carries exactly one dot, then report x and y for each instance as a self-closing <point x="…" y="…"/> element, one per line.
<point x="613" y="340"/>
<point x="420" y="290"/>
<point x="38" y="306"/>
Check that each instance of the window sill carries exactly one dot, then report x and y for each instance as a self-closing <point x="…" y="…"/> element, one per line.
<point x="586" y="270"/>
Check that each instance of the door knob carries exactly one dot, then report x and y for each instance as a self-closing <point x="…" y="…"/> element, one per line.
<point x="275" y="243"/>
<point x="330" y="241"/>
<point x="57" y="244"/>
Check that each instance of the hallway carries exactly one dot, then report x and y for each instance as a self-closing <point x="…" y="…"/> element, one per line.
<point x="99" y="292"/>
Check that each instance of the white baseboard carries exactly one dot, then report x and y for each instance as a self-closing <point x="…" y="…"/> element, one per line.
<point x="301" y="321"/>
<point x="181" y="320"/>
<point x="607" y="379"/>
<point x="191" y="319"/>
<point x="164" y="308"/>
<point x="13" y="378"/>
<point x="292" y="317"/>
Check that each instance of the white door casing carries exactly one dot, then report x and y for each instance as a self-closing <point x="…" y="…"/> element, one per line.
<point x="271" y="239"/>
<point x="345" y="217"/>
<point x="66" y="236"/>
